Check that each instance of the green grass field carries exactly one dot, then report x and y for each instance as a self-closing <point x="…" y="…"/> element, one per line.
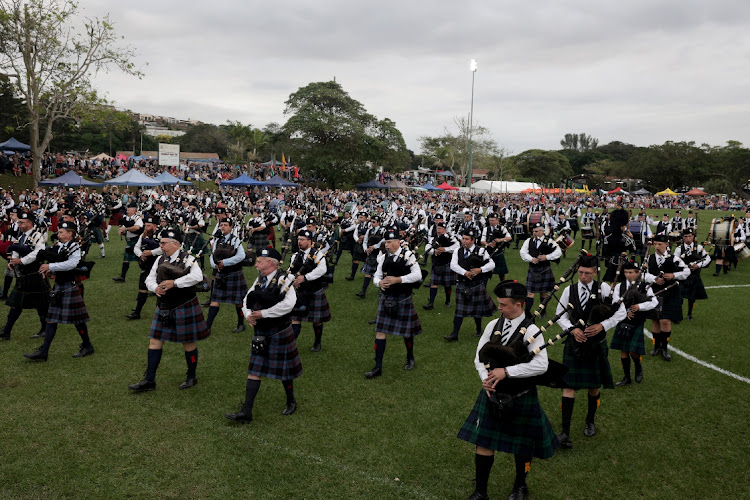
<point x="71" y="429"/>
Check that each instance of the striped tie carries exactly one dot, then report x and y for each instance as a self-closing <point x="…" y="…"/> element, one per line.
<point x="506" y="331"/>
<point x="584" y="296"/>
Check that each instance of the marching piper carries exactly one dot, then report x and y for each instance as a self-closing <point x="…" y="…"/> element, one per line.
<point x="131" y="227"/>
<point x="695" y="258"/>
<point x="539" y="251"/>
<point x="308" y="266"/>
<point x="495" y="237"/>
<point x="229" y="285"/>
<point x="441" y="247"/>
<point x="147" y="250"/>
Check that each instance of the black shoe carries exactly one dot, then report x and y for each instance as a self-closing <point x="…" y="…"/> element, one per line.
<point x="478" y="496"/>
<point x="639" y="377"/>
<point x="84" y="350"/>
<point x="519" y="493"/>
<point x="372" y="321"/>
<point x="37" y="335"/>
<point x="447" y="304"/>
<point x="478" y="333"/>
<point x="119" y="279"/>
<point x="451" y="337"/>
<point x="715" y="274"/>
<point x="102" y="256"/>
<point x="37" y="355"/>
<point x="240" y="328"/>
<point x="589" y="430"/>
<point x="665" y="355"/>
<point x="189" y="382"/>
<point x="622" y="383"/>
<point x="133" y="315"/>
<point x="206" y="303"/>
<point x="375" y="372"/>
<point x="690" y="317"/>
<point x="361" y="295"/>
<point x="290" y="408"/>
<point x="143" y="386"/>
<point x="656" y="351"/>
<point x="409" y="364"/>
<point x="5" y="335"/>
<point x="240" y="416"/>
<point x="428" y="307"/>
<point x="565" y="441"/>
<point x="315" y="348"/>
<point x="428" y="284"/>
<point x="349" y="278"/>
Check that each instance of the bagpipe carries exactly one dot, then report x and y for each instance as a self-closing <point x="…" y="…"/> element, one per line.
<point x="307" y="289"/>
<point x="148" y="243"/>
<point x="54" y="255"/>
<point x="258" y="299"/>
<point x="169" y="271"/>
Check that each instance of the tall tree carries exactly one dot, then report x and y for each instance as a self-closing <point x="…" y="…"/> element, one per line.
<point x="579" y="142"/>
<point x="544" y="167"/>
<point x="52" y="55"/>
<point x="12" y="111"/>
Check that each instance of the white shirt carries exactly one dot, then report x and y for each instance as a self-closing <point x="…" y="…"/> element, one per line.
<point x="604" y="291"/>
<point x="194" y="277"/>
<point x="536" y="366"/>
<point x="415" y="273"/>
<point x="282" y="308"/>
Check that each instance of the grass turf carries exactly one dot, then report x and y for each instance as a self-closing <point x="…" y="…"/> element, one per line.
<point x="71" y="429"/>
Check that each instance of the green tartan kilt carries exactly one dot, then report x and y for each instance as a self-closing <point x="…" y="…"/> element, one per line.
<point x="632" y="344"/>
<point x="527" y="431"/>
<point x="693" y="289"/>
<point x="501" y="267"/>
<point x="194" y="242"/>
<point x="590" y="373"/>
<point x="129" y="255"/>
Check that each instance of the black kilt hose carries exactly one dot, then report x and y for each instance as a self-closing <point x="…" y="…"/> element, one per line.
<point x="318" y="310"/>
<point x="281" y="359"/>
<point x="632" y="343"/>
<point x="186" y="324"/>
<point x="405" y="323"/>
<point x="692" y="288"/>
<point x="473" y="301"/>
<point x="442" y="275"/>
<point x="129" y="255"/>
<point x="591" y="373"/>
<point x="540" y="279"/>
<point x="30" y="292"/>
<point x="527" y="431"/>
<point x="68" y="307"/>
<point x="229" y="288"/>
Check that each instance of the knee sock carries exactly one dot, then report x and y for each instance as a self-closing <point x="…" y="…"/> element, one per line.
<point x="251" y="390"/>
<point x="718" y="268"/>
<point x="191" y="358"/>
<point x="13" y="315"/>
<point x="101" y="249"/>
<point x="140" y="301"/>
<point x="82" y="289"/>
<point x="83" y="331"/>
<point x="296" y="329"/>
<point x="593" y="405"/>
<point x="478" y="324"/>
<point x="691" y="303"/>
<point x="49" y="335"/>
<point x="483" y="466"/>
<point x="636" y="362"/>
<point x="457" y="324"/>
<point x="665" y="338"/>
<point x="567" y="413"/>
<point x="523" y="465"/>
<point x="289" y="390"/>
<point x="409" y="343"/>
<point x="355" y="265"/>
<point x="124" y="271"/>
<point x="212" y="312"/>
<point x="529" y="304"/>
<point x="240" y="317"/>
<point x="42" y="312"/>
<point x="318" y="331"/>
<point x="448" y="291"/>
<point x="626" y="367"/>
<point x="9" y="281"/>
<point x="379" y="352"/>
<point x="154" y="357"/>
<point x="365" y="284"/>
<point x="433" y="294"/>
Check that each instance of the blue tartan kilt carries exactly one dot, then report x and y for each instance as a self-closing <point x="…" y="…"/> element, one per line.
<point x="358" y="253"/>
<point x="258" y="241"/>
<point x="632" y="344"/>
<point x="527" y="431"/>
<point x="129" y="255"/>
<point x="540" y="280"/>
<point x="72" y="310"/>
<point x="501" y="267"/>
<point x="590" y="373"/>
<point x="187" y="325"/>
<point x="473" y="301"/>
<point x="442" y="275"/>
<point x="369" y="268"/>
<point x="281" y="359"/>
<point x="693" y="289"/>
<point x="232" y="290"/>
<point x="406" y="321"/>
<point x="671" y="308"/>
<point x="318" y="310"/>
<point x="30" y="292"/>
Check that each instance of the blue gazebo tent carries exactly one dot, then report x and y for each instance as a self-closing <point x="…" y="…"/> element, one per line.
<point x="170" y="180"/>
<point x="277" y="181"/>
<point x="133" y="177"/>
<point x="69" y="178"/>
<point x="373" y="184"/>
<point x="430" y="187"/>
<point x="243" y="180"/>
<point x="13" y="144"/>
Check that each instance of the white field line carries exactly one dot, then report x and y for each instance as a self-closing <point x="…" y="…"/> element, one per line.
<point x="727" y="286"/>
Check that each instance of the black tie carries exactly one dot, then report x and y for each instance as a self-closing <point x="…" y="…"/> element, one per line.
<point x="22" y="240"/>
<point x="506" y="331"/>
<point x="466" y="254"/>
<point x="263" y="282"/>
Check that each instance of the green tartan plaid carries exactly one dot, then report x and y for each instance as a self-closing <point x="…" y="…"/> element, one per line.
<point x="588" y="374"/>
<point x="632" y="344"/>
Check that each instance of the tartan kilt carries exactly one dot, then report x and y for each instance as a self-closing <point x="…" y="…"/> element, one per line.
<point x="233" y="291"/>
<point x="632" y="344"/>
<point x="346" y="242"/>
<point x="33" y="295"/>
<point x="405" y="324"/>
<point x="358" y="253"/>
<point x="9" y="272"/>
<point x="281" y="360"/>
<point x="188" y="324"/>
<point x="527" y="431"/>
<point x="129" y="254"/>
<point x="587" y="374"/>
<point x="194" y="242"/>
<point x="475" y="302"/>
<point x="671" y="308"/>
<point x="318" y="311"/>
<point x="258" y="241"/>
<point x="442" y="275"/>
<point x="501" y="267"/>
<point x="540" y="280"/>
<point x="693" y="289"/>
<point x="369" y="268"/>
<point x="725" y="253"/>
<point x="640" y="249"/>
<point x="72" y="311"/>
<point x="115" y="219"/>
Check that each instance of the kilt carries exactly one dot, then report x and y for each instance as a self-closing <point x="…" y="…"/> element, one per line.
<point x="404" y="324"/>
<point x="258" y="241"/>
<point x="318" y="311"/>
<point x="232" y="291"/>
<point x="632" y="344"/>
<point x="527" y="431"/>
<point x="725" y="253"/>
<point x="98" y="235"/>
<point x="442" y="275"/>
<point x="588" y="374"/>
<point x="540" y="280"/>
<point x="9" y="272"/>
<point x="346" y="242"/>
<point x="369" y="269"/>
<point x="640" y="249"/>
<point x="693" y="289"/>
<point x="115" y="219"/>
<point x="472" y="300"/>
<point x="187" y="326"/>
<point x="194" y="242"/>
<point x="501" y="267"/>
<point x="358" y="253"/>
<point x="281" y="360"/>
<point x="32" y="294"/>
<point x="129" y="254"/>
<point x="72" y="311"/>
<point x="671" y="308"/>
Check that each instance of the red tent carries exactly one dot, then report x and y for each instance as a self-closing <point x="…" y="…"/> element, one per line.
<point x="447" y="187"/>
<point x="618" y="189"/>
<point x="696" y="192"/>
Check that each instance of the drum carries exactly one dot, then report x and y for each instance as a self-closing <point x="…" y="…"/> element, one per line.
<point x="587" y="233"/>
<point x="675" y="237"/>
<point x="565" y="241"/>
<point x="742" y="251"/>
<point x="722" y="232"/>
<point x="635" y="228"/>
<point x="518" y="229"/>
<point x="533" y="218"/>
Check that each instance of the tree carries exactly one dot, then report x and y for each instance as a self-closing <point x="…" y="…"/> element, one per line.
<point x="543" y="167"/>
<point x="579" y="142"/>
<point x="333" y="138"/>
<point x="729" y="168"/>
<point x="205" y="138"/>
<point x="12" y="111"/>
<point x="672" y="164"/>
<point x="51" y="56"/>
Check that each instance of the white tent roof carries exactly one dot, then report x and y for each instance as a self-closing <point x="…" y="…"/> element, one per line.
<point x="503" y="186"/>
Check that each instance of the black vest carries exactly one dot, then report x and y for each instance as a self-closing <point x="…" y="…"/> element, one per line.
<point x="171" y="271"/>
<point x="631" y="297"/>
<point x="303" y="265"/>
<point x="545" y="248"/>
<point x="668" y="266"/>
<point x="444" y="258"/>
<point x="474" y="260"/>
<point x="258" y="299"/>
<point x="574" y="299"/>
<point x="397" y="268"/>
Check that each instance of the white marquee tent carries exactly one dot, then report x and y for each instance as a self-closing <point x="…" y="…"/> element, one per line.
<point x="502" y="186"/>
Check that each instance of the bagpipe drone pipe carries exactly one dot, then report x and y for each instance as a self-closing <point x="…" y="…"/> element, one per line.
<point x="307" y="289"/>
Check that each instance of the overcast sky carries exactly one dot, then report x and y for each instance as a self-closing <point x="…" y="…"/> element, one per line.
<point x="641" y="72"/>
